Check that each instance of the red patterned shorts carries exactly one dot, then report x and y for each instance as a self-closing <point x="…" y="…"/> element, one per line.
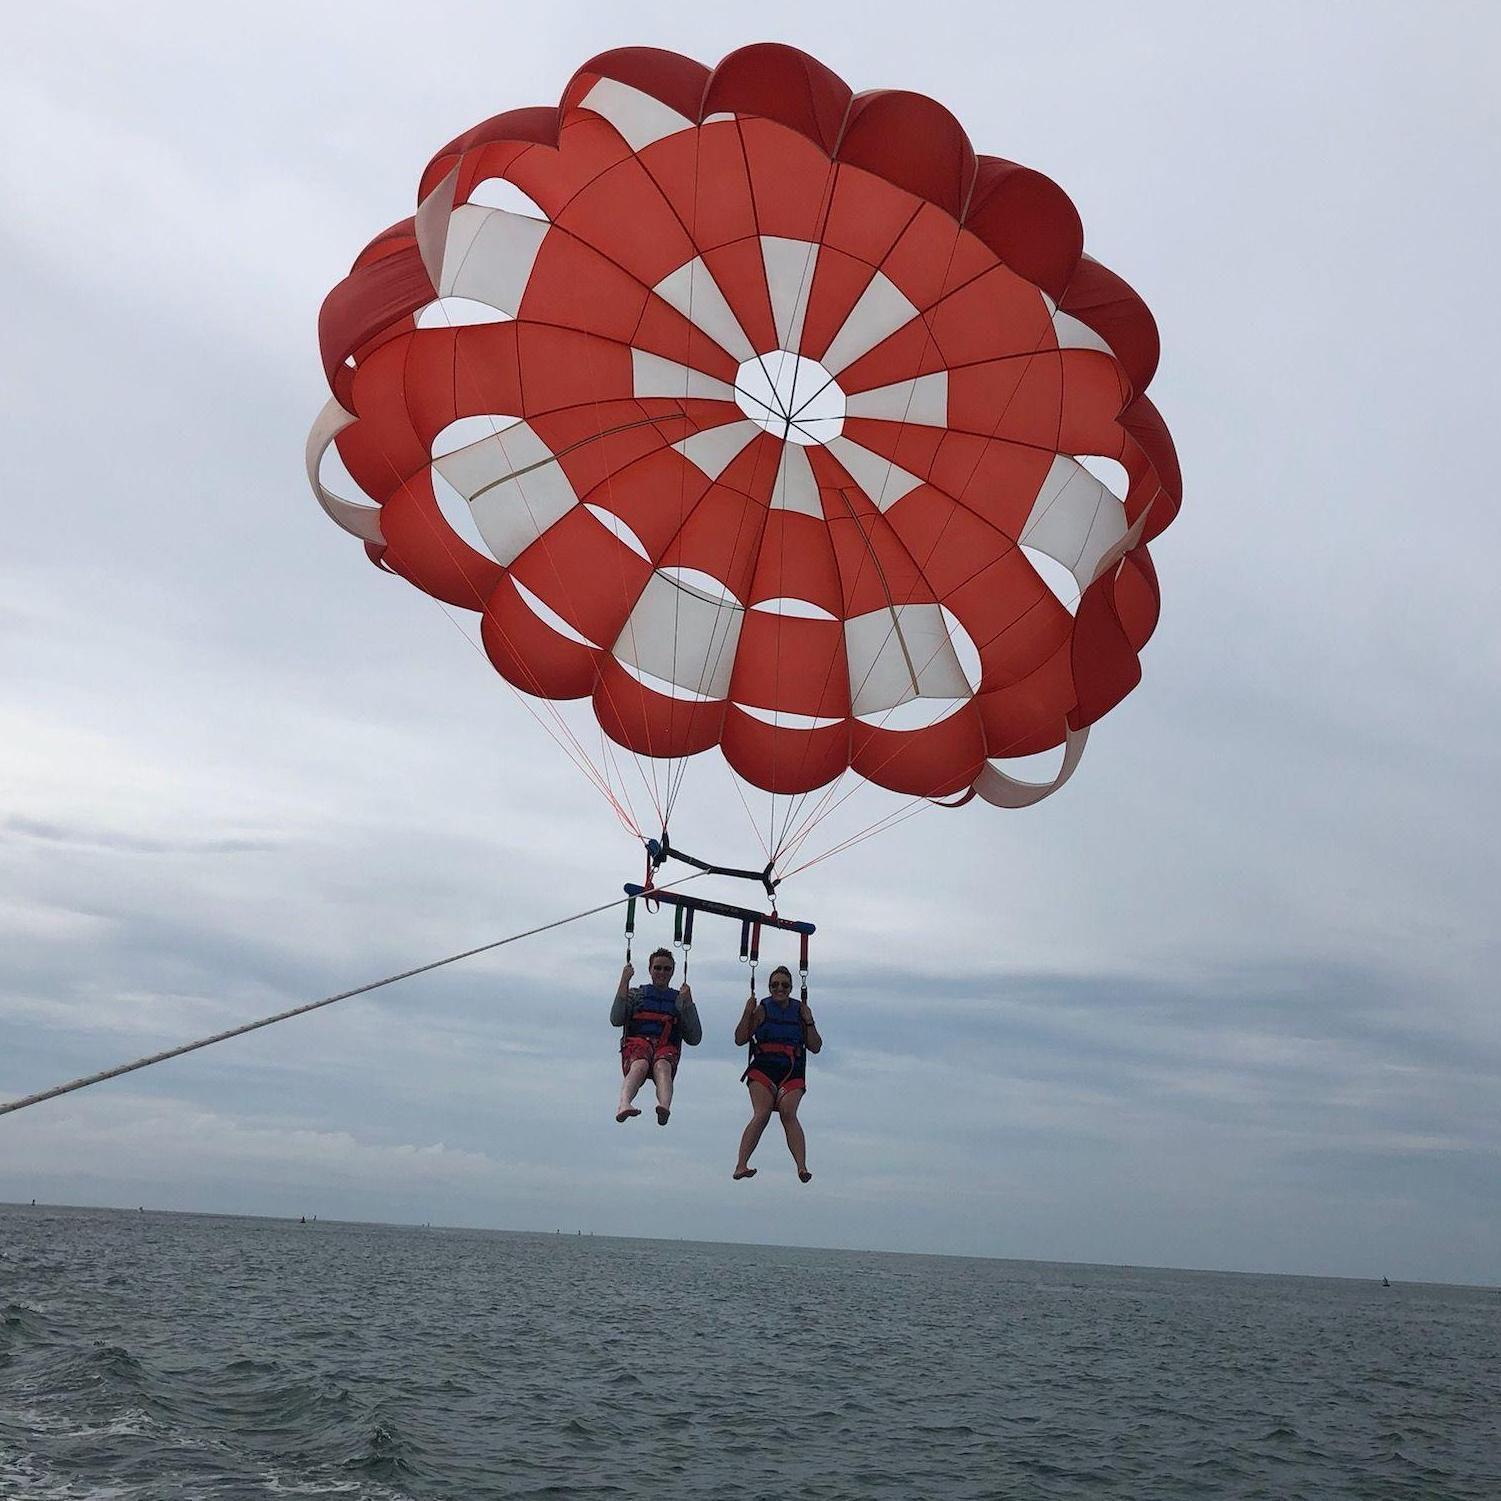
<point x="633" y="1048"/>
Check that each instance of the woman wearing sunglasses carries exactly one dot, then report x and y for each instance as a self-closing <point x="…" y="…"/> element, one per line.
<point x="781" y="1034"/>
<point x="656" y="1020"/>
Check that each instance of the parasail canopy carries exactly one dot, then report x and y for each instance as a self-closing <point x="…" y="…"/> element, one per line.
<point x="774" y="408"/>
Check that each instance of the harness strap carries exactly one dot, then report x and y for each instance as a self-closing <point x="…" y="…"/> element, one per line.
<point x="654" y="1045"/>
<point x="788" y="1050"/>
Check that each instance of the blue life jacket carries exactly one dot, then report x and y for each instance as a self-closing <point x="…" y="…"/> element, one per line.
<point x="782" y="1029"/>
<point x="655" y="1014"/>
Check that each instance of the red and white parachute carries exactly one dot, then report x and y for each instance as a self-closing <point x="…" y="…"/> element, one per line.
<point x="769" y="412"/>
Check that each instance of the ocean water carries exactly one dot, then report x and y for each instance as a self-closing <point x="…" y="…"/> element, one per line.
<point x="167" y="1356"/>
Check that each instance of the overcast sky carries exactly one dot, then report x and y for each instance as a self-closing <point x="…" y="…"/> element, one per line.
<point x="1228" y="1000"/>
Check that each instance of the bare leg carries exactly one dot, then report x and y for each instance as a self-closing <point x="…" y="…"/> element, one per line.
<point x="796" y="1142"/>
<point x="760" y="1114"/>
<point x="632" y="1082"/>
<point x="661" y="1074"/>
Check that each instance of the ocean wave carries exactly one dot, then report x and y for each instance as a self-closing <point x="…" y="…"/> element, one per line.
<point x="24" y="1475"/>
<point x="280" y="1483"/>
<point x="386" y="1453"/>
<point x="61" y="1421"/>
<point x="21" y="1324"/>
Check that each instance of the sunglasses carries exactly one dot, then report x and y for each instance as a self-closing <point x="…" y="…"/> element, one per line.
<point x="781" y="984"/>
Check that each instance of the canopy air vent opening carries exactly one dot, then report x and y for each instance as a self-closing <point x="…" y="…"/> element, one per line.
<point x="1059" y="580"/>
<point x="499" y="192"/>
<point x="459" y="312"/>
<point x="1110" y="472"/>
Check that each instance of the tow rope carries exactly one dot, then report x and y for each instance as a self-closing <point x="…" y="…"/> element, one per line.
<point x="281" y="1016"/>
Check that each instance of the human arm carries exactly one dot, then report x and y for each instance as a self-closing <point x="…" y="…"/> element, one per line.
<point x="620" y="1007"/>
<point x="811" y="1040"/>
<point x="750" y="1019"/>
<point x="690" y="1028"/>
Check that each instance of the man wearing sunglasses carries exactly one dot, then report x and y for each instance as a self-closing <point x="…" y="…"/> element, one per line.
<point x="781" y="1034"/>
<point x="656" y="1020"/>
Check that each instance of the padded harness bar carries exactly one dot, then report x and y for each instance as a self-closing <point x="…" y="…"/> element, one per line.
<point x="743" y="915"/>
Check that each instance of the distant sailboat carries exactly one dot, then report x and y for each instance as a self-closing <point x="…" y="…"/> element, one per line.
<point x="1385" y="1283"/>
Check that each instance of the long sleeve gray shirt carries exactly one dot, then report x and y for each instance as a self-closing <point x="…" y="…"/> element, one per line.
<point x="690" y="1028"/>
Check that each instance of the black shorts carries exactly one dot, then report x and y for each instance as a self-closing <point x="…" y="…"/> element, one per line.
<point x="776" y="1071"/>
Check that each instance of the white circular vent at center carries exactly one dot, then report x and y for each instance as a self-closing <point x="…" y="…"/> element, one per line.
<point x="793" y="398"/>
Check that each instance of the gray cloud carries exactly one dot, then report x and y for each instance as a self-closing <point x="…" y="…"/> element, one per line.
<point x="127" y="844"/>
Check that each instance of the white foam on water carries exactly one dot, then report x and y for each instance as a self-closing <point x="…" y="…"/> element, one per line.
<point x="281" y="1485"/>
<point x="20" y="1476"/>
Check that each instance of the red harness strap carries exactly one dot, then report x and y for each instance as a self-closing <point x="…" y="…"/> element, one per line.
<point x="786" y="1049"/>
<point x="663" y="1038"/>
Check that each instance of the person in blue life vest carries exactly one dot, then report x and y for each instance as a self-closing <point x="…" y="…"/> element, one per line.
<point x="781" y="1034"/>
<point x="656" y="1021"/>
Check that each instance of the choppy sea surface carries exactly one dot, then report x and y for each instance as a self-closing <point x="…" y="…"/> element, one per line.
<point x="167" y="1356"/>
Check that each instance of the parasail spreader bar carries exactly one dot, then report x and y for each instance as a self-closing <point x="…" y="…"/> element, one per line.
<point x="719" y="909"/>
<point x="658" y="850"/>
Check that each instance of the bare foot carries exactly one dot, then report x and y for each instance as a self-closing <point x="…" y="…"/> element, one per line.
<point x="805" y="1175"/>
<point x="627" y="1113"/>
<point x="744" y="1172"/>
<point x="662" y="1113"/>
